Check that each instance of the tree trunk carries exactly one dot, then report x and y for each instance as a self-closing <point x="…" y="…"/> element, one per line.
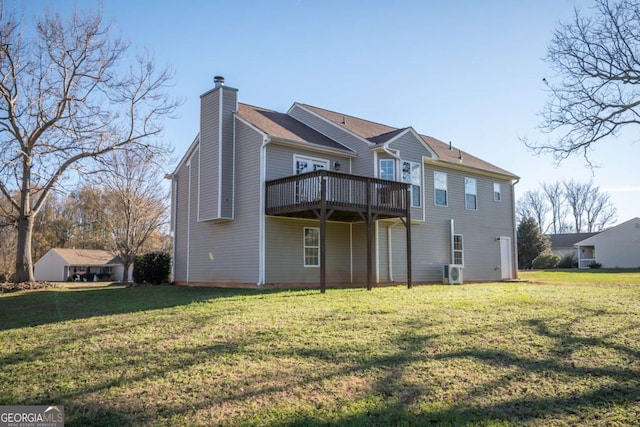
<point x="24" y="262"/>
<point x="125" y="273"/>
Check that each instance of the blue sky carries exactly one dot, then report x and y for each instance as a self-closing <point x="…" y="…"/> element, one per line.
<point x="469" y="72"/>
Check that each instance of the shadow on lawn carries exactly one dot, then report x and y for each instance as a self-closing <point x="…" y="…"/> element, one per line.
<point x="44" y="307"/>
<point x="397" y="398"/>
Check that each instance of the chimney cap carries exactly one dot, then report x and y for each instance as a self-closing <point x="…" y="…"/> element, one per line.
<point x="219" y="81"/>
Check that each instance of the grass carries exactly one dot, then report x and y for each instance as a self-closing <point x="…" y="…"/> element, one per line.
<point x="555" y="351"/>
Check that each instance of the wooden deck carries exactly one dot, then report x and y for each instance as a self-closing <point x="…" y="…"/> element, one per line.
<point x="343" y="197"/>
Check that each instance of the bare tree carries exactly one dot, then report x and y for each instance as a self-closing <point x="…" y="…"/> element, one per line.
<point x="533" y="204"/>
<point x="68" y="97"/>
<point x="555" y="197"/>
<point x="597" y="61"/>
<point x="600" y="212"/>
<point x="576" y="195"/>
<point x="590" y="209"/>
<point x="135" y="204"/>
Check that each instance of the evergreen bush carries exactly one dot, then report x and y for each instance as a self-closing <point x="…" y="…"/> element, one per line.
<point x="153" y="268"/>
<point x="545" y="261"/>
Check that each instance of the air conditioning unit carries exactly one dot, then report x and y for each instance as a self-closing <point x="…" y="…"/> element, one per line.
<point x="452" y="273"/>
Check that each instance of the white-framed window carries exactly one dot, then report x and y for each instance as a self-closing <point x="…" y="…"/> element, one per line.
<point x="497" y="194"/>
<point x="440" y="188"/>
<point x="411" y="173"/>
<point x="387" y="169"/>
<point x="470" y="194"/>
<point x="458" y="249"/>
<point x="302" y="164"/>
<point x="308" y="190"/>
<point x="311" y="247"/>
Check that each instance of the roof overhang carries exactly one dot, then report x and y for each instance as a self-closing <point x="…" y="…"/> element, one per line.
<point x="464" y="168"/>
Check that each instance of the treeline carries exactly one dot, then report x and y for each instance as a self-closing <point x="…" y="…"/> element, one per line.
<point x="126" y="214"/>
<point x="567" y="207"/>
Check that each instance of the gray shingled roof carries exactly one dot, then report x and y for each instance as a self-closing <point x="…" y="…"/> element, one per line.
<point x="87" y="256"/>
<point x="567" y="240"/>
<point x="281" y="125"/>
<point x="373" y="131"/>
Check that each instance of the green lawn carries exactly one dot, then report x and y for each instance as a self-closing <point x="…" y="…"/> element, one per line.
<point x="563" y="349"/>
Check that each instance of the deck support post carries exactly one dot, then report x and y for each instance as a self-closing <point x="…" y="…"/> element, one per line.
<point x="323" y="234"/>
<point x="407" y="225"/>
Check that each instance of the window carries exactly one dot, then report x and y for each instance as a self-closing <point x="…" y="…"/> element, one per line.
<point x="458" y="249"/>
<point x="470" y="196"/>
<point x="387" y="169"/>
<point x="440" y="188"/>
<point x="497" y="196"/>
<point x="308" y="190"/>
<point x="411" y="174"/>
<point x="311" y="247"/>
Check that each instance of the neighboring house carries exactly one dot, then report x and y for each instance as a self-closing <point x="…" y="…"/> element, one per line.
<point x="59" y="265"/>
<point x="565" y="243"/>
<point x="617" y="247"/>
<point x="313" y="196"/>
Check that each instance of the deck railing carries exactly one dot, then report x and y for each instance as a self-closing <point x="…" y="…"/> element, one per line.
<point x="342" y="192"/>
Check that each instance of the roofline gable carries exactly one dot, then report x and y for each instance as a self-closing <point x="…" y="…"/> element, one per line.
<point x="355" y="135"/>
<point x="417" y="136"/>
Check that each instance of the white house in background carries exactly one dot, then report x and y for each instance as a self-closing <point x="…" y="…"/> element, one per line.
<point x="59" y="265"/>
<point x="565" y="243"/>
<point x="617" y="247"/>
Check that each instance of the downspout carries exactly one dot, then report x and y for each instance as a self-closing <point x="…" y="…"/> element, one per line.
<point x="261" y="215"/>
<point x="515" y="232"/>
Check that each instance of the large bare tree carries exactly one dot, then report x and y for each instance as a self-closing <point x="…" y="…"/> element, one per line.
<point x="69" y="94"/>
<point x="534" y="204"/>
<point x="135" y="204"/>
<point x="594" y="93"/>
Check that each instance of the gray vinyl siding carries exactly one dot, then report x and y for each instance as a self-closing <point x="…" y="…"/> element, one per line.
<point x="479" y="227"/>
<point x="359" y="230"/>
<point x="217" y="145"/>
<point x="207" y="192"/>
<point x="284" y="252"/>
<point x="223" y="252"/>
<point x="363" y="163"/>
<point x="228" y="148"/>
<point x="181" y="200"/>
<point x="280" y="160"/>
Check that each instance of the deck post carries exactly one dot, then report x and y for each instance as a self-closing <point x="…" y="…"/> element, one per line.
<point x="323" y="232"/>
<point x="369" y="236"/>
<point x="407" y="225"/>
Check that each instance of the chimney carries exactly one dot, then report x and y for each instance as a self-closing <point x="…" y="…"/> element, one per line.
<point x="218" y="81"/>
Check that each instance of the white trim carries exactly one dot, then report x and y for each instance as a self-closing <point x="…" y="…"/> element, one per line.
<point x="297" y="157"/>
<point x="304" y="247"/>
<point x="261" y="215"/>
<point x="463" y="168"/>
<point x="188" y="154"/>
<point x="188" y="224"/>
<point x="220" y="161"/>
<point x="446" y="189"/>
<point x="264" y="135"/>
<point x="417" y="136"/>
<point x="475" y="193"/>
<point x="377" y="244"/>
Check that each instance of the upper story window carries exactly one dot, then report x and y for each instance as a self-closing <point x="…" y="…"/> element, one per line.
<point x="308" y="164"/>
<point x="440" y="188"/>
<point x="411" y="174"/>
<point x="497" y="195"/>
<point x="387" y="169"/>
<point x="470" y="194"/>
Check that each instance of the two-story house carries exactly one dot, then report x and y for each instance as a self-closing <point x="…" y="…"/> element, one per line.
<point x="313" y="197"/>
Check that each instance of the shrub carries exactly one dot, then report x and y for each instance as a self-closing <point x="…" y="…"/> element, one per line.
<point x="544" y="261"/>
<point x="568" y="261"/>
<point x="595" y="265"/>
<point x="153" y="268"/>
